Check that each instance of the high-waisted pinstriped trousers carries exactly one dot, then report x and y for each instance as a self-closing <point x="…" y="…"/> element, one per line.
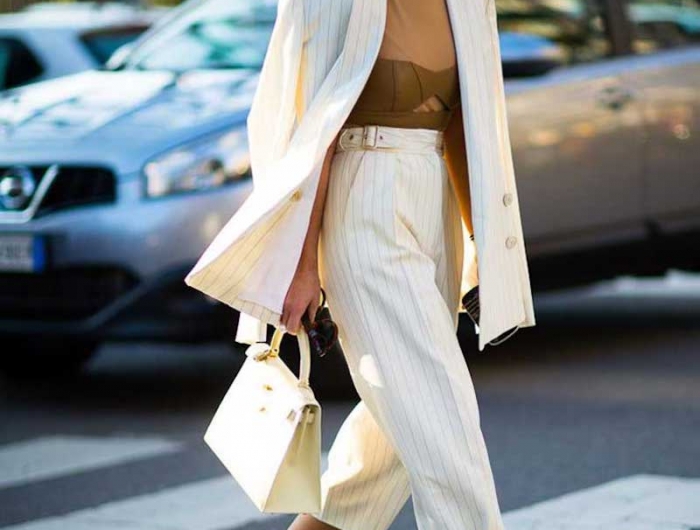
<point x="390" y="262"/>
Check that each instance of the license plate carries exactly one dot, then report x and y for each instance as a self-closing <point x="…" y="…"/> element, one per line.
<point x="22" y="253"/>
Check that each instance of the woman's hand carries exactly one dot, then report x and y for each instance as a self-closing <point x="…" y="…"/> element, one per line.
<point x="304" y="295"/>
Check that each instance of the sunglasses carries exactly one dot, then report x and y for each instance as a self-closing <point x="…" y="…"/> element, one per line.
<point x="322" y="332"/>
<point x="471" y="304"/>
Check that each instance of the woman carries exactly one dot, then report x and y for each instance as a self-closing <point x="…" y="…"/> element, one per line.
<point x="385" y="241"/>
<point x="359" y="133"/>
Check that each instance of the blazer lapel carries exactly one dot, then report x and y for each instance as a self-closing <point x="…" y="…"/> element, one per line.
<point x="335" y="97"/>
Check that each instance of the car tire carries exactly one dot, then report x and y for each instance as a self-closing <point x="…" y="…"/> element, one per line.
<point x="45" y="358"/>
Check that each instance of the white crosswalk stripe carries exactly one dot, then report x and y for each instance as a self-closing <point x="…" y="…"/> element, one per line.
<point x="638" y="502"/>
<point x="205" y="505"/>
<point x="54" y="456"/>
<point x="213" y="504"/>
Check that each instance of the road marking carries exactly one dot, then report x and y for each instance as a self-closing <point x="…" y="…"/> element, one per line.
<point x="210" y="504"/>
<point x="638" y="502"/>
<point x="55" y="456"/>
<point x="205" y="505"/>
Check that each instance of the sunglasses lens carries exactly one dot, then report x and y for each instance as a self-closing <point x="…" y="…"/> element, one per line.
<point x="323" y="333"/>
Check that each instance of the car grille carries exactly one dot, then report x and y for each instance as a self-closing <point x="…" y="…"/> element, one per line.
<point x="75" y="186"/>
<point x="62" y="294"/>
<point x="72" y="186"/>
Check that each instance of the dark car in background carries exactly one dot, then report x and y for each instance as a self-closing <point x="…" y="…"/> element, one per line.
<point x="113" y="182"/>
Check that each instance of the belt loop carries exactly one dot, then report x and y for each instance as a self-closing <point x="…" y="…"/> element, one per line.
<point x="345" y="133"/>
<point x="370" y="133"/>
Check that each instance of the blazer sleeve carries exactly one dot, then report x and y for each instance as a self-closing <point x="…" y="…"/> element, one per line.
<point x="302" y="63"/>
<point x="271" y="119"/>
<point x="272" y="116"/>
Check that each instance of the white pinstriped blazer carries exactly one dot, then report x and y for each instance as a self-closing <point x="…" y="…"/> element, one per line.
<point x="320" y="55"/>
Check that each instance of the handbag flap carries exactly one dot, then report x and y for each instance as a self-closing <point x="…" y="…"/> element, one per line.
<point x="274" y="372"/>
<point x="277" y="387"/>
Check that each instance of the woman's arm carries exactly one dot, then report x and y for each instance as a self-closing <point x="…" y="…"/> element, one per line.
<point x="455" y="156"/>
<point x="456" y="159"/>
<point x="304" y="294"/>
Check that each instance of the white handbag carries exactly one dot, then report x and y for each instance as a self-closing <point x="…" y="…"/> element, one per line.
<point x="267" y="430"/>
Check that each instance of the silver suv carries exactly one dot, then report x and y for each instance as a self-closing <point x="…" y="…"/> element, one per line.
<point x="113" y="182"/>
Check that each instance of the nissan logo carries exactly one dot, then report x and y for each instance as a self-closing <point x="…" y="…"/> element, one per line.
<point x="16" y="187"/>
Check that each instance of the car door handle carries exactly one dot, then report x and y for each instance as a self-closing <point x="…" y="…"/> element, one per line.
<point x="614" y="97"/>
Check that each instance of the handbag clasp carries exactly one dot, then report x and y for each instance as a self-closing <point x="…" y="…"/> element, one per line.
<point x="270" y="352"/>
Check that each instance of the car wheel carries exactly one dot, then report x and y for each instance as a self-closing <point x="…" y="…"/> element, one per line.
<point x="45" y="358"/>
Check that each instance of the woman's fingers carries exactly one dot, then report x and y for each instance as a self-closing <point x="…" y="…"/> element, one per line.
<point x="303" y="296"/>
<point x="293" y="322"/>
<point x="312" y="310"/>
<point x="294" y="312"/>
<point x="287" y="311"/>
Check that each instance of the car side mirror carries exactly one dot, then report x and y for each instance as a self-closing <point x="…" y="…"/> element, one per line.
<point x="117" y="60"/>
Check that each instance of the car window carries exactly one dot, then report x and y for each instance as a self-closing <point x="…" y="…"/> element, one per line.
<point x="576" y="27"/>
<point x="663" y="24"/>
<point x="217" y="34"/>
<point x="102" y="44"/>
<point x="18" y="65"/>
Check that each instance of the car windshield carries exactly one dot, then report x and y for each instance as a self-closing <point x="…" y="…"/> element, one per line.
<point x="102" y="44"/>
<point x="215" y="34"/>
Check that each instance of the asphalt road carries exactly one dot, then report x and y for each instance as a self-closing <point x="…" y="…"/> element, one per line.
<point x="606" y="386"/>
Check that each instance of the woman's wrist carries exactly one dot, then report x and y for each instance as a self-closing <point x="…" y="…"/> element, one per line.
<point x="308" y="260"/>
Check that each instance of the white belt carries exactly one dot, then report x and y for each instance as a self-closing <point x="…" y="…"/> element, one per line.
<point x="383" y="138"/>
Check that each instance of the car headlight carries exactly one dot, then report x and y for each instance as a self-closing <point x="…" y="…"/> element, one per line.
<point x="201" y="165"/>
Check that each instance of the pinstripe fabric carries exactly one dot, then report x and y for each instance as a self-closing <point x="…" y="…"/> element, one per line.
<point x="391" y="255"/>
<point x="318" y="63"/>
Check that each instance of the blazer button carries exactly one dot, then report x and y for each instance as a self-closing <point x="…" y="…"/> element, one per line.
<point x="510" y="241"/>
<point x="295" y="196"/>
<point x="508" y="199"/>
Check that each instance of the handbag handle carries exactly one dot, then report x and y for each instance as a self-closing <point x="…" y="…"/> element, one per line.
<point x="304" y="353"/>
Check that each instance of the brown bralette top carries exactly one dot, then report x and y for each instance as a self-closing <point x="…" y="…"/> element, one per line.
<point x="414" y="82"/>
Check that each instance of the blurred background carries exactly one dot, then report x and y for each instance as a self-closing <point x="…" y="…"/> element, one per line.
<point x="123" y="151"/>
<point x="10" y="6"/>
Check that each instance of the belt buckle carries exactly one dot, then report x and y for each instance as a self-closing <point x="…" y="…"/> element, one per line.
<point x="343" y="135"/>
<point x="370" y="132"/>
